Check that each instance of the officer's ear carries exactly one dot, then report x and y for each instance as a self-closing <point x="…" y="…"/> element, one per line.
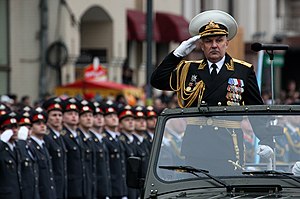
<point x="201" y="44"/>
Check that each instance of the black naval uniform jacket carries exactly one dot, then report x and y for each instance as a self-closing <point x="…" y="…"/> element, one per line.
<point x="29" y="171"/>
<point x="46" y="178"/>
<point x="9" y="173"/>
<point x="90" y="164"/>
<point x="103" y="169"/>
<point x="216" y="91"/>
<point x="58" y="153"/>
<point x="117" y="165"/>
<point x="76" y="165"/>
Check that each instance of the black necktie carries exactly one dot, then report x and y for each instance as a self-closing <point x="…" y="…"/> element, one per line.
<point x="213" y="73"/>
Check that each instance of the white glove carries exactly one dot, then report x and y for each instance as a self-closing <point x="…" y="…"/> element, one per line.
<point x="296" y="169"/>
<point x="265" y="151"/>
<point x="6" y="135"/>
<point x="23" y="133"/>
<point x="186" y="47"/>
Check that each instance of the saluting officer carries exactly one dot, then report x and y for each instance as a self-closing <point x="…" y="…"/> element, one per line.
<point x="10" y="183"/>
<point x="116" y="151"/>
<point x="102" y="156"/>
<point x="218" y="79"/>
<point x="39" y="149"/>
<point x="55" y="144"/>
<point x="85" y="124"/>
<point x="75" y="159"/>
<point x="28" y="162"/>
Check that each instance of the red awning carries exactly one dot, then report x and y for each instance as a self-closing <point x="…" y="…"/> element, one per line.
<point x="172" y="27"/>
<point x="136" y="26"/>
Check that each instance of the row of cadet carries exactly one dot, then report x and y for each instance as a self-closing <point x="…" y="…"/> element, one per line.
<point x="72" y="149"/>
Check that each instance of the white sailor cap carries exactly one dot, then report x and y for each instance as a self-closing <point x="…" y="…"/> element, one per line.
<point x="212" y="23"/>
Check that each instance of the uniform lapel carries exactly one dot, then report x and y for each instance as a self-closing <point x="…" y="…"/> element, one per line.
<point x="204" y="74"/>
<point x="222" y="76"/>
<point x="11" y="152"/>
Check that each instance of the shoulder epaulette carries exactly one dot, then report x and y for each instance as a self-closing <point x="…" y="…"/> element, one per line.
<point x="242" y="62"/>
<point x="194" y="61"/>
<point x="63" y="132"/>
<point x="47" y="132"/>
<point x="122" y="138"/>
<point x="201" y="63"/>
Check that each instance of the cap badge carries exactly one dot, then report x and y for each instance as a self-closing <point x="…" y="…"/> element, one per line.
<point x="73" y="106"/>
<point x="13" y="120"/>
<point x="212" y="25"/>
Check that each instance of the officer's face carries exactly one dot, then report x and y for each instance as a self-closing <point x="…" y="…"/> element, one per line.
<point x="71" y="118"/>
<point x="98" y="121"/>
<point x="127" y="124"/>
<point x="151" y="122"/>
<point x="39" y="128"/>
<point x="86" y="120"/>
<point x="55" y="119"/>
<point x="214" y="48"/>
<point x="111" y="120"/>
<point x="140" y="124"/>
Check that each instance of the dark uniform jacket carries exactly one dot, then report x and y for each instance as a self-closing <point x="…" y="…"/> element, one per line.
<point x="90" y="164"/>
<point x="142" y="152"/>
<point x="103" y="168"/>
<point x="149" y="140"/>
<point x="9" y="173"/>
<point x="235" y="83"/>
<point x="46" y="178"/>
<point x="130" y="149"/>
<point x="58" y="153"/>
<point x="29" y="171"/>
<point x="76" y="165"/>
<point x="117" y="165"/>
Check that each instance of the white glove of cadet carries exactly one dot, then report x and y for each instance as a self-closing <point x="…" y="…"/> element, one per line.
<point x="186" y="47"/>
<point x="265" y="151"/>
<point x="23" y="133"/>
<point x="6" y="135"/>
<point x="296" y="169"/>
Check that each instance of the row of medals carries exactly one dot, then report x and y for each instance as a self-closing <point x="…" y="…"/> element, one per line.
<point x="234" y="94"/>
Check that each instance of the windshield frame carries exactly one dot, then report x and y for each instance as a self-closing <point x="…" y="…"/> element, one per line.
<point x="203" y="182"/>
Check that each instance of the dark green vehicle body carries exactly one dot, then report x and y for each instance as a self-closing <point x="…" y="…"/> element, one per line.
<point x="211" y="152"/>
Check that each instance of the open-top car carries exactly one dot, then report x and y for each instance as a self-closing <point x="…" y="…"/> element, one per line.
<point x="222" y="152"/>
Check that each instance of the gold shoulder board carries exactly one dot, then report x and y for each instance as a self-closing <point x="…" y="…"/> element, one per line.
<point x="200" y="62"/>
<point x="242" y="62"/>
<point x="194" y="61"/>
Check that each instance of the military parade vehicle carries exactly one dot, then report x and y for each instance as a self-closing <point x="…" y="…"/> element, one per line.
<point x="222" y="152"/>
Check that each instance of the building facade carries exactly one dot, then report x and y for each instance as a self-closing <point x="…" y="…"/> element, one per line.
<point x="46" y="43"/>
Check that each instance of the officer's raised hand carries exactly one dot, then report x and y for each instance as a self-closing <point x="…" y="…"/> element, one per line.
<point x="6" y="135"/>
<point x="296" y="169"/>
<point x="265" y="151"/>
<point x="23" y="133"/>
<point x="186" y="47"/>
